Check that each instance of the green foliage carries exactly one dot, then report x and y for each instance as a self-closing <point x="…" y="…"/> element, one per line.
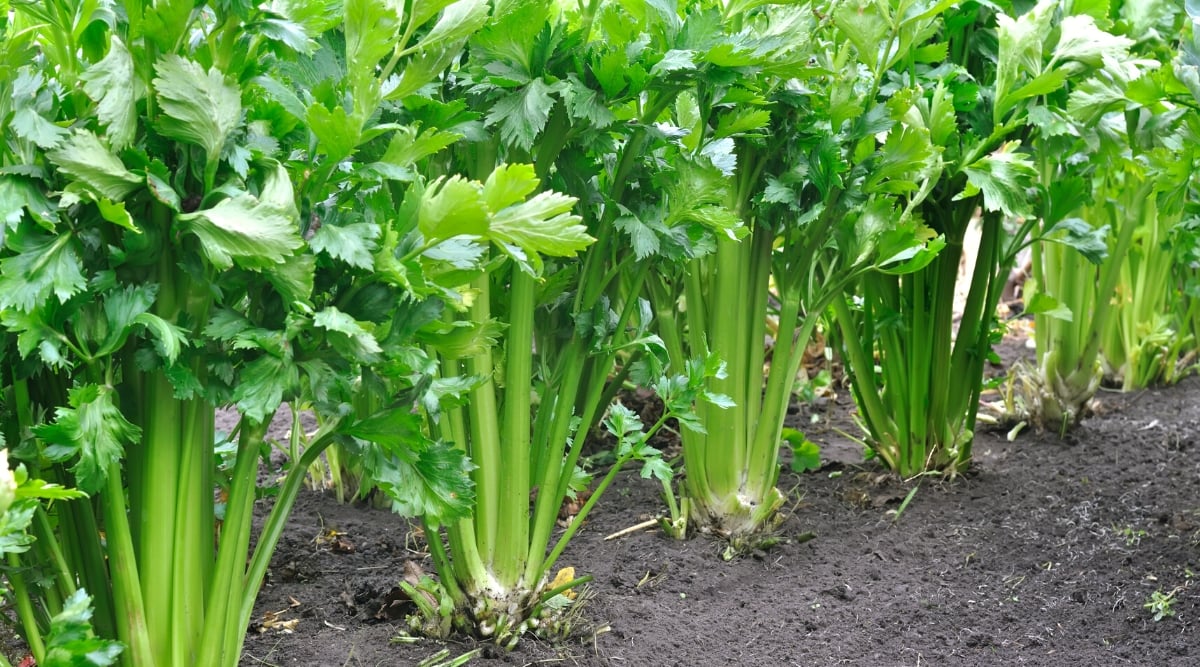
<point x="205" y="206"/>
<point x="73" y="643"/>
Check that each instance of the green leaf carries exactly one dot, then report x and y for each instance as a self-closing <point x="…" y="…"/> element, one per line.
<point x="1020" y="49"/>
<point x="112" y="85"/>
<point x="244" y="230"/>
<point x="459" y="21"/>
<point x="169" y="339"/>
<point x="337" y="133"/>
<point x="423" y="10"/>
<point x="396" y="426"/>
<point x="91" y="163"/>
<point x="452" y="207"/>
<point x="424" y="69"/>
<point x="430" y="480"/>
<point x="37" y="488"/>
<point x="542" y="225"/>
<point x="14" y="527"/>
<point x="96" y="429"/>
<point x="1044" y="304"/>
<point x="861" y="22"/>
<point x="675" y="60"/>
<point x="262" y="384"/>
<point x="586" y="104"/>
<point x="158" y="181"/>
<point x="509" y="184"/>
<point x="806" y="454"/>
<point x="283" y="95"/>
<point x="1004" y="178"/>
<point x="200" y="107"/>
<point x="116" y="213"/>
<point x="741" y="121"/>
<point x="121" y="309"/>
<point x="29" y="103"/>
<point x="906" y="157"/>
<point x="645" y="240"/>
<point x="1091" y="242"/>
<point x="370" y="27"/>
<point x="1082" y="40"/>
<point x="71" y="641"/>
<point x="657" y="468"/>
<point x="349" y="336"/>
<point x="522" y="115"/>
<point x="354" y="244"/>
<point x="43" y="265"/>
<point x="225" y="324"/>
<point x="462" y="339"/>
<point x="18" y="195"/>
<point x="408" y="145"/>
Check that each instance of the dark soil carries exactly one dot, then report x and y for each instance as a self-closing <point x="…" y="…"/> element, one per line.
<point x="1047" y="551"/>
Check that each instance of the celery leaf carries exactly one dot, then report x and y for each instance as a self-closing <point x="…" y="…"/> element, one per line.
<point x="112" y="85"/>
<point x="452" y="207"/>
<point x="96" y="429"/>
<point x="244" y="230"/>
<point x="91" y="163"/>
<point x="354" y="244"/>
<point x="200" y="107"/>
<point x="1003" y="177"/>
<point x="43" y="265"/>
<point x="71" y="640"/>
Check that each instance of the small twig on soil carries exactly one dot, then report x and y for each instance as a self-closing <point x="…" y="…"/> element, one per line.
<point x="650" y="523"/>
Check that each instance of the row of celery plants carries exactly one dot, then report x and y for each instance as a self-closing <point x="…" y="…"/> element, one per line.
<point x="456" y="261"/>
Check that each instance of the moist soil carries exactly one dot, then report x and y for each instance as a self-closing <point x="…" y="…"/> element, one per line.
<point x="1046" y="550"/>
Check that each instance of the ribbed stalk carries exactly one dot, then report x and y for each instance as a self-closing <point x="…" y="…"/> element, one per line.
<point x="724" y="456"/>
<point x="513" y="547"/>
<point x="220" y="632"/>
<point x="24" y="604"/>
<point x="485" y="434"/>
<point x="133" y="627"/>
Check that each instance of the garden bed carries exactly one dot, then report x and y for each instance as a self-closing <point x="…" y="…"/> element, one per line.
<point x="1046" y="551"/>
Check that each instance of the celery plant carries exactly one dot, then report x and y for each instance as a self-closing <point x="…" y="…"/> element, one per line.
<point x="784" y="147"/>
<point x="980" y="111"/>
<point x="156" y="265"/>
<point x="1146" y="338"/>
<point x="1128" y="130"/>
<point x="541" y="344"/>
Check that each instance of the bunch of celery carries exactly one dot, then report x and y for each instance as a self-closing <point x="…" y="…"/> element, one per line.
<point x="1114" y="169"/>
<point x="156" y="265"/>
<point x="917" y="373"/>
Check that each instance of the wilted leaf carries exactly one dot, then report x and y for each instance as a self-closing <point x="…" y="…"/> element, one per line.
<point x="1091" y="242"/>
